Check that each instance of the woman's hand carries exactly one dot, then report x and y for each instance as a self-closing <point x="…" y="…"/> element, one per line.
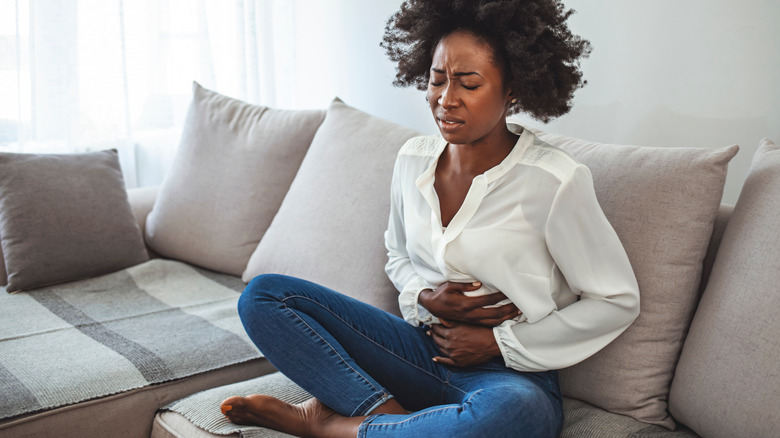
<point x="463" y="345"/>
<point x="448" y="302"/>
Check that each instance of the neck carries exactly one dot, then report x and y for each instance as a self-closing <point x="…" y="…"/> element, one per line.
<point x="476" y="158"/>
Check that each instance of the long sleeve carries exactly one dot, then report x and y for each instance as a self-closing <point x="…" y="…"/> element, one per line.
<point x="593" y="262"/>
<point x="399" y="267"/>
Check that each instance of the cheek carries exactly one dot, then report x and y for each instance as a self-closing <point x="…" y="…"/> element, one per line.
<point x="492" y="107"/>
<point x="432" y="99"/>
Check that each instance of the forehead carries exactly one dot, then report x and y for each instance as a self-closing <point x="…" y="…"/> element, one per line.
<point x="463" y="51"/>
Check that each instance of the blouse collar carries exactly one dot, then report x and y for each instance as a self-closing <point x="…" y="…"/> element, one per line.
<point x="523" y="142"/>
<point x="479" y="186"/>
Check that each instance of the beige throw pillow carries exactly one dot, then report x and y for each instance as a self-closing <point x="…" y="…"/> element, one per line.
<point x="662" y="203"/>
<point x="330" y="228"/>
<point x="726" y="384"/>
<point x="233" y="167"/>
<point x="65" y="217"/>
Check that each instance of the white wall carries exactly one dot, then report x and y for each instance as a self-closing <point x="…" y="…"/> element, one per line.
<point x="698" y="73"/>
<point x="338" y="54"/>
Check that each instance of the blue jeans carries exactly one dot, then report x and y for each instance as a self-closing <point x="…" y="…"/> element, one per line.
<point x="353" y="357"/>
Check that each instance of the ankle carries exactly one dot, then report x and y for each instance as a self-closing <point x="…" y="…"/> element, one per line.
<point x="338" y="426"/>
<point x="391" y="406"/>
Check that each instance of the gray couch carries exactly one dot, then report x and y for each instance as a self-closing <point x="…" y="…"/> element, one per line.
<point x="306" y="193"/>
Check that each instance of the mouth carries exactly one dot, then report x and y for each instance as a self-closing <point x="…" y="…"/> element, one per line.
<point x="449" y="122"/>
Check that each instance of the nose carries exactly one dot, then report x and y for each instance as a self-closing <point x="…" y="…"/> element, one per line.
<point x="449" y="97"/>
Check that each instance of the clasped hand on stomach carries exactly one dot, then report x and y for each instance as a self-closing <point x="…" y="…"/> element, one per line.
<point x="464" y="335"/>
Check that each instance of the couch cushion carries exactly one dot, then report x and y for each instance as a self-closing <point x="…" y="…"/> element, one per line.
<point x="582" y="420"/>
<point x="330" y="227"/>
<point x="662" y="203"/>
<point x="202" y="409"/>
<point x="726" y="383"/>
<point x="155" y="322"/>
<point x="169" y="424"/>
<point x="127" y="414"/>
<point x="198" y="415"/>
<point x="233" y="167"/>
<point x="65" y="217"/>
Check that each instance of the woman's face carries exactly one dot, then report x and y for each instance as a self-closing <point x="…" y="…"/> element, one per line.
<point x="466" y="90"/>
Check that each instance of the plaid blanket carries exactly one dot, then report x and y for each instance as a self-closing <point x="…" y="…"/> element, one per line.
<point x="155" y="322"/>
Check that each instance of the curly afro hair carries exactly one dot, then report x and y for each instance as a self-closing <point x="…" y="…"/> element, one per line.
<point x="538" y="53"/>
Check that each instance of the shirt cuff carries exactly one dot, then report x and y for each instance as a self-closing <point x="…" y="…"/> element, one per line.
<point x="413" y="312"/>
<point x="512" y="349"/>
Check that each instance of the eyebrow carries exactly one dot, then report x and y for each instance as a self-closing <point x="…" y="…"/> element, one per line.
<point x="464" y="73"/>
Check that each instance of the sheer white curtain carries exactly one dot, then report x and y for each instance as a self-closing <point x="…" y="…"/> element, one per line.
<point x="80" y="75"/>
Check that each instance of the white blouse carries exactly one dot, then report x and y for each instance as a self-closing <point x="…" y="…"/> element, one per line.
<point x="530" y="227"/>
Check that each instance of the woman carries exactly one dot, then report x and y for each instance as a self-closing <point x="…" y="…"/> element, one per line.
<point x="506" y="266"/>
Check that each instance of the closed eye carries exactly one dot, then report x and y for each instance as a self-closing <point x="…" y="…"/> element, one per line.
<point x="439" y="84"/>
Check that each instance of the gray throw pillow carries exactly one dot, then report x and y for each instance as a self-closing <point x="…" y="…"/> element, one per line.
<point x="65" y="217"/>
<point x="662" y="203"/>
<point x="330" y="227"/>
<point x="726" y="384"/>
<point x="233" y="167"/>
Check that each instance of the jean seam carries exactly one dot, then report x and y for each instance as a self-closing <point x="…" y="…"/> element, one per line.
<point x="377" y="403"/>
<point x="371" y="340"/>
<point x="364" y="425"/>
<point x="376" y="390"/>
<point x="373" y="401"/>
<point x="415" y="415"/>
<point x="446" y="384"/>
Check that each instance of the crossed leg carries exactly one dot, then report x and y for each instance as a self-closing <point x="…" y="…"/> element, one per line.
<point x="360" y="362"/>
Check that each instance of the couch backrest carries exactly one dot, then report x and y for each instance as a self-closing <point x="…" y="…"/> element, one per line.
<point x="329" y="229"/>
<point x="142" y="199"/>
<point x="725" y="382"/>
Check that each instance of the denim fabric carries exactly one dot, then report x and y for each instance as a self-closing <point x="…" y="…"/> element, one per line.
<point x="354" y="357"/>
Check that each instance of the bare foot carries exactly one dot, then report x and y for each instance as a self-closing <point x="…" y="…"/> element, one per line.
<point x="308" y="419"/>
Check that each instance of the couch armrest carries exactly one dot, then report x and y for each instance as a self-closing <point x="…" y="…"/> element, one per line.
<point x="141" y="201"/>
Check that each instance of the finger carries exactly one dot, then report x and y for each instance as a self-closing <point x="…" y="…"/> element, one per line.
<point x="490" y="323"/>
<point x="498" y="312"/>
<point x="447" y="323"/>
<point x="435" y="333"/>
<point x="491" y="316"/>
<point x="468" y="304"/>
<point x="440" y="343"/>
<point x="506" y="311"/>
<point x="445" y="361"/>
<point x="464" y="287"/>
<point x="489" y="299"/>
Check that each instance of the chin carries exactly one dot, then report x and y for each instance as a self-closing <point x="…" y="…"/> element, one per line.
<point x="457" y="139"/>
<point x="453" y="138"/>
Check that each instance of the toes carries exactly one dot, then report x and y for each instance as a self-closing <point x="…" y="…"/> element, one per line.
<point x="231" y="404"/>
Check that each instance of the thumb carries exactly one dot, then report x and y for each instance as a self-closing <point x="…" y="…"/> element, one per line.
<point x="444" y="361"/>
